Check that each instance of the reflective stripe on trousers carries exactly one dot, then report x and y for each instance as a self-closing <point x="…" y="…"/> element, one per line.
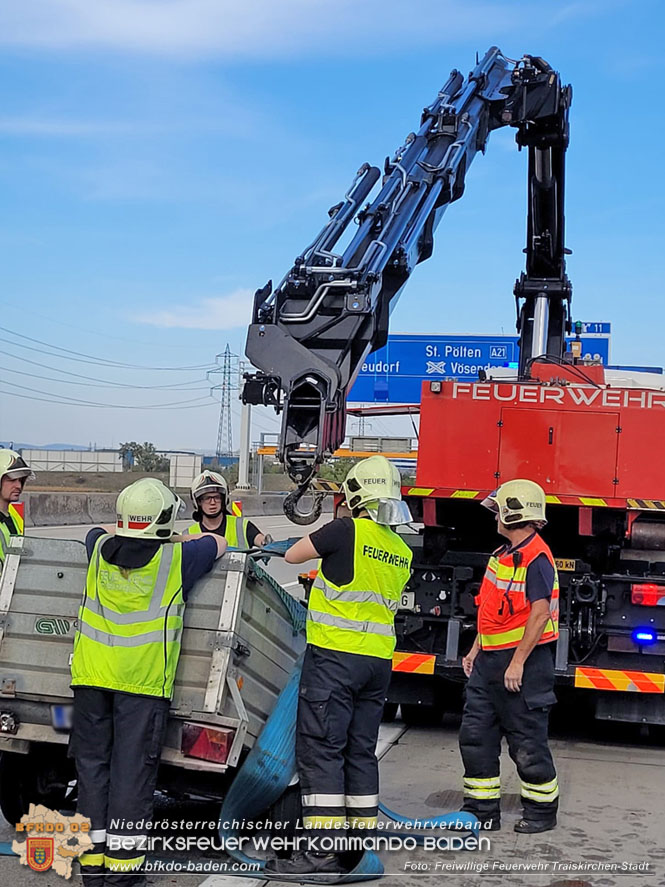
<point x="358" y="811"/>
<point x="482" y="788"/>
<point x="115" y="864"/>
<point x="91" y="859"/>
<point x="542" y="793"/>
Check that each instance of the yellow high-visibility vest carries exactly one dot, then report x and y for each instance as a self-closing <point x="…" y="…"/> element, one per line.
<point x="130" y="624"/>
<point x="235" y="531"/>
<point x="5" y="536"/>
<point x="359" y="617"/>
<point x="15" y="511"/>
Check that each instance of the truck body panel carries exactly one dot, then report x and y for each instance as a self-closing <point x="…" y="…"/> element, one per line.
<point x="591" y="446"/>
<point x="566" y="428"/>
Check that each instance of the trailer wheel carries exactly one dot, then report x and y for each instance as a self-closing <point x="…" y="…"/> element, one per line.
<point x="389" y="712"/>
<point x="40" y="777"/>
<point x="422" y="715"/>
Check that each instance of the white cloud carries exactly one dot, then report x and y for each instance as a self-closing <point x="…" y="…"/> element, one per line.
<point x="253" y="28"/>
<point x="215" y="313"/>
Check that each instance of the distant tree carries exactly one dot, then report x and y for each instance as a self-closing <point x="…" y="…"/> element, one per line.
<point x="142" y="457"/>
<point x="230" y="473"/>
<point x="337" y="469"/>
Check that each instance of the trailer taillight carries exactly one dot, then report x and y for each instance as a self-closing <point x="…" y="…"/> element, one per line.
<point x="207" y="743"/>
<point x="647" y="594"/>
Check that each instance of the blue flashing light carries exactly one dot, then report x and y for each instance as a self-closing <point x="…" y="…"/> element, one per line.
<point x="644" y="636"/>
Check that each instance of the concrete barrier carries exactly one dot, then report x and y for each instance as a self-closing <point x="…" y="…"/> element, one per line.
<point x="101" y="507"/>
<point x="65" y="509"/>
<point x="256" y="504"/>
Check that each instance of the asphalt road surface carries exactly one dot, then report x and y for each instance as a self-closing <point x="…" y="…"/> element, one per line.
<point x="610" y="832"/>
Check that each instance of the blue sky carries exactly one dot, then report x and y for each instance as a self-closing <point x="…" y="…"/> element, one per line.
<point x="161" y="159"/>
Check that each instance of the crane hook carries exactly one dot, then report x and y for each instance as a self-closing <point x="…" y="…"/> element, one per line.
<point x="295" y="514"/>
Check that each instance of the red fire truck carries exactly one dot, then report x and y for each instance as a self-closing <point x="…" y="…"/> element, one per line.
<point x="588" y="435"/>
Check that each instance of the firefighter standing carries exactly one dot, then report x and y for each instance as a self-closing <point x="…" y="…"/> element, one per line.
<point x="126" y="651"/>
<point x="511" y="666"/>
<point x="13" y="474"/>
<point x="347" y="666"/>
<point x="210" y="498"/>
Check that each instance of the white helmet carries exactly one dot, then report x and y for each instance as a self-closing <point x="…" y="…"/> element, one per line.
<point x="207" y="482"/>
<point x="375" y="484"/>
<point x="13" y="465"/>
<point x="518" y="501"/>
<point x="147" y="509"/>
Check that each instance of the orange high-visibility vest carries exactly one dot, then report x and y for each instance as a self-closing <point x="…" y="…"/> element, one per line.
<point x="503" y="606"/>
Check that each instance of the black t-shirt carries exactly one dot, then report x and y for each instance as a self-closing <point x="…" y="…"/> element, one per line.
<point x="251" y="529"/>
<point x="539" y="575"/>
<point x="9" y="523"/>
<point x="335" y="543"/>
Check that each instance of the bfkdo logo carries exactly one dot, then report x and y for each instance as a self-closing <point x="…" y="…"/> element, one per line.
<point x="40" y="853"/>
<point x="52" y="840"/>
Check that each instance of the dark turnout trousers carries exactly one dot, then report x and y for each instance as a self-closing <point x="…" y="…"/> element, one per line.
<point x="339" y="715"/>
<point x="116" y="743"/>
<point x="490" y="712"/>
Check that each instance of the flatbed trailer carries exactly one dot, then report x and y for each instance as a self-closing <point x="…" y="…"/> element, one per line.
<point x="242" y="636"/>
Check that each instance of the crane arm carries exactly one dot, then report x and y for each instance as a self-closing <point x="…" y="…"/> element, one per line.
<point x="310" y="335"/>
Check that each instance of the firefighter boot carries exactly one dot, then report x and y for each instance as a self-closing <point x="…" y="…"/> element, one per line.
<point x="306" y="864"/>
<point x="534" y="826"/>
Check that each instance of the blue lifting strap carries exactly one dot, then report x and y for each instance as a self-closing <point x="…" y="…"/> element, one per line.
<point x="270" y="768"/>
<point x="265" y="775"/>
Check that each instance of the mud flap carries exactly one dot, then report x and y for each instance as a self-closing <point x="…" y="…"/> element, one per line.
<point x="632" y="708"/>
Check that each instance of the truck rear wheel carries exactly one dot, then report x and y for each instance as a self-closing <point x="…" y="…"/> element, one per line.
<point x="389" y="712"/>
<point x="40" y="777"/>
<point x="422" y="715"/>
